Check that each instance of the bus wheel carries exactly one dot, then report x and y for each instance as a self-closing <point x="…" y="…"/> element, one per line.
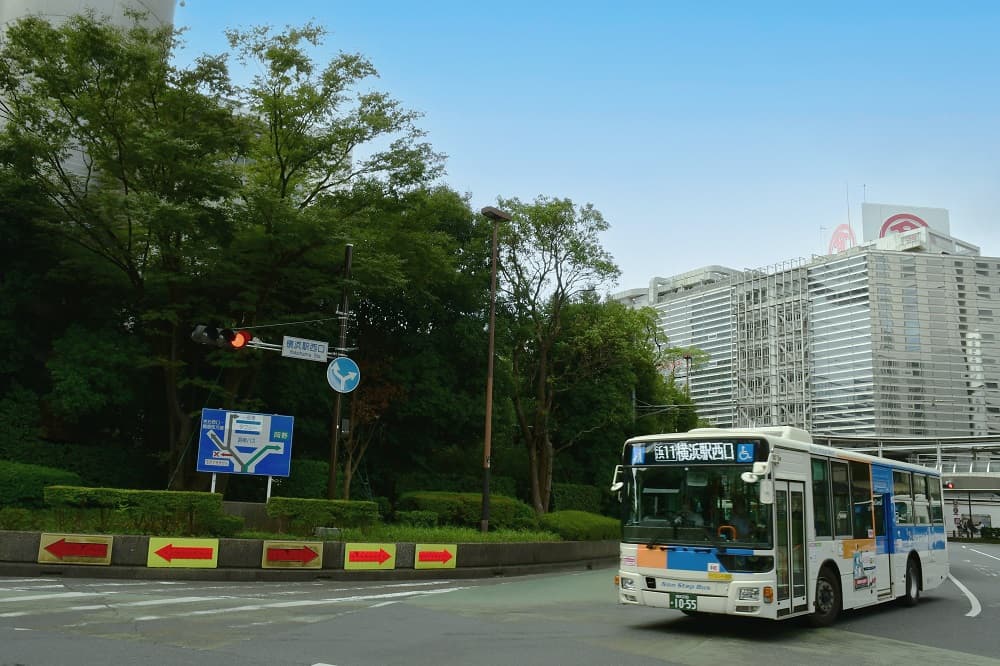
<point x="912" y="595"/>
<point x="827" y="599"/>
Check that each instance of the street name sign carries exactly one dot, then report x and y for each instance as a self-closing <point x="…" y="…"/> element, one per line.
<point x="310" y="350"/>
<point x="245" y="443"/>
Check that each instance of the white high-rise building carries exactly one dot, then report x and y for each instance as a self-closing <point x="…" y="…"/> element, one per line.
<point x="56" y="10"/>
<point x="897" y="337"/>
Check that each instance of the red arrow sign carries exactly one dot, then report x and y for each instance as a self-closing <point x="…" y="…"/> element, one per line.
<point x="171" y="552"/>
<point x="303" y="555"/>
<point x="379" y="556"/>
<point x="434" y="556"/>
<point x="63" y="548"/>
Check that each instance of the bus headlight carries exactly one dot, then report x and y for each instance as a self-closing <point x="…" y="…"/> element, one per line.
<point x="628" y="583"/>
<point x="749" y="594"/>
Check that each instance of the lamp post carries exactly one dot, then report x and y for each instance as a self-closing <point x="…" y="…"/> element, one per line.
<point x="687" y="374"/>
<point x="497" y="216"/>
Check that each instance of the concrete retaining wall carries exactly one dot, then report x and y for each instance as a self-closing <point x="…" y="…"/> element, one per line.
<point x="240" y="559"/>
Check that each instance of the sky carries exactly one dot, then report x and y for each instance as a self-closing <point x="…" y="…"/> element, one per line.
<point x="730" y="133"/>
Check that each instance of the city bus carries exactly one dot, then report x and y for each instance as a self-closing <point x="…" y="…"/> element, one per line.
<point x="762" y="522"/>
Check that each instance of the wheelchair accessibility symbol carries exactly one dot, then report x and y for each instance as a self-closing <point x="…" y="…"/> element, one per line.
<point x="744" y="453"/>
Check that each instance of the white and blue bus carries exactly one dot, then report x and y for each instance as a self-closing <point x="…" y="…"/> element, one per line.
<point x="761" y="522"/>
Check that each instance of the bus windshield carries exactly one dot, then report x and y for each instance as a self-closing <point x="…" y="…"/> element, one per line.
<point x="694" y="505"/>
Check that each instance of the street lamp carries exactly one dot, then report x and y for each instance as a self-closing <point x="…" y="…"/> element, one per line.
<point x="687" y="373"/>
<point x="497" y="216"/>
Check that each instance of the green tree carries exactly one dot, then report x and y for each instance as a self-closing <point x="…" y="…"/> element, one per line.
<point x="136" y="155"/>
<point x="549" y="255"/>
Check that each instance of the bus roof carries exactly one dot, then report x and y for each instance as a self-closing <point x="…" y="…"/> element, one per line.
<point x="787" y="437"/>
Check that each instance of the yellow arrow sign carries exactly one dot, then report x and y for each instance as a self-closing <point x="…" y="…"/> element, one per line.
<point x="435" y="556"/>
<point x="177" y="553"/>
<point x="74" y="549"/>
<point x="370" y="556"/>
<point x="292" y="555"/>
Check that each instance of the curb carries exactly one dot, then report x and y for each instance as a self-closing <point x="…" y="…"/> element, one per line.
<point x="240" y="560"/>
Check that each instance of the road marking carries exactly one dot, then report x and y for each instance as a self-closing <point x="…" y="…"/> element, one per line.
<point x="304" y="603"/>
<point x="60" y="595"/>
<point x="981" y="553"/>
<point x="976" y="608"/>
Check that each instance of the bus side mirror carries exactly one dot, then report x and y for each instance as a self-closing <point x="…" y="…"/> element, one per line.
<point x="617" y="485"/>
<point x="749" y="477"/>
<point x="761" y="468"/>
<point x="767" y="492"/>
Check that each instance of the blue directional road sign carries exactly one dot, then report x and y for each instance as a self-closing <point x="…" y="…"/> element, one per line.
<point x="343" y="374"/>
<point x="245" y="443"/>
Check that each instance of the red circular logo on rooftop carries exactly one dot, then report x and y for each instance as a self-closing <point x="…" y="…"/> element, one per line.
<point x="842" y="239"/>
<point x="900" y="223"/>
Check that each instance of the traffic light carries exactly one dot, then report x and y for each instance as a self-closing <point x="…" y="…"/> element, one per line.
<point x="225" y="338"/>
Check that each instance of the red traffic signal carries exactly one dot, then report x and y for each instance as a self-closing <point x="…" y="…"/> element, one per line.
<point x="237" y="339"/>
<point x="226" y="338"/>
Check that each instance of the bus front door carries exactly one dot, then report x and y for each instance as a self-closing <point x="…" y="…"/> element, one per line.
<point x="790" y="550"/>
<point x="884" y="544"/>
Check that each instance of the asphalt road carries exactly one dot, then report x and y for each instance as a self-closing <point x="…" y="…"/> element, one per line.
<point x="566" y="618"/>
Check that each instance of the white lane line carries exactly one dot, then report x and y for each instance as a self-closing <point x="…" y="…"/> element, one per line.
<point x="979" y="552"/>
<point x="150" y="602"/>
<point x="304" y="603"/>
<point x="976" y="608"/>
<point x="60" y="595"/>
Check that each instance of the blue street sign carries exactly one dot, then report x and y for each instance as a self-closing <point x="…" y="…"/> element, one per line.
<point x="245" y="443"/>
<point x="343" y="375"/>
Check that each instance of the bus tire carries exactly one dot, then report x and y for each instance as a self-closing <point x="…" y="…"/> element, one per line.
<point x="912" y="594"/>
<point x="827" y="602"/>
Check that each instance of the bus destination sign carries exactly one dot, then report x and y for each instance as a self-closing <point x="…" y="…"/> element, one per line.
<point x="693" y="452"/>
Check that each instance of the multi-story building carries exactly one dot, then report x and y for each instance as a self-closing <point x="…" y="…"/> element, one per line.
<point x="896" y="337"/>
<point x="161" y="11"/>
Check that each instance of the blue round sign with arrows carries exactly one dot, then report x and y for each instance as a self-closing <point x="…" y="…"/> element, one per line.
<point x="343" y="374"/>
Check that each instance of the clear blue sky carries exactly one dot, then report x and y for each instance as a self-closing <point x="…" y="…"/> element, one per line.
<point x="731" y="133"/>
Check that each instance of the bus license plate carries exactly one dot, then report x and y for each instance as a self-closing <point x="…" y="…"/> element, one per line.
<point x="682" y="602"/>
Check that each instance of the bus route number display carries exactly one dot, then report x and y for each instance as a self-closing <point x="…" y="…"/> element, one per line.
<point x="703" y="452"/>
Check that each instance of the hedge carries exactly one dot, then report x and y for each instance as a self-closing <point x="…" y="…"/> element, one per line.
<point x="166" y="512"/>
<point x="303" y="516"/>
<point x="465" y="509"/>
<point x="23" y="485"/>
<point x="581" y="526"/>
<point x="577" y="497"/>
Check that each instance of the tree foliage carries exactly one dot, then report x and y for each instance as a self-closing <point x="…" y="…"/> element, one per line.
<point x="139" y="198"/>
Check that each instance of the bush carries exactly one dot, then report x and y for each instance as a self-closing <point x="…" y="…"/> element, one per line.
<point x="576" y="497"/>
<point x="303" y="516"/>
<point x="12" y="518"/>
<point x="307" y="478"/>
<point x="166" y="512"/>
<point x="417" y="518"/>
<point x="465" y="509"/>
<point x="23" y="485"/>
<point x="581" y="526"/>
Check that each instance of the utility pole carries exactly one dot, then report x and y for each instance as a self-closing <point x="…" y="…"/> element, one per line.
<point x="341" y="350"/>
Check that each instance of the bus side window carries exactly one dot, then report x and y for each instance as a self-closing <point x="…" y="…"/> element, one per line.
<point x="841" y="498"/>
<point x="902" y="494"/>
<point x="921" y="503"/>
<point x="821" y="497"/>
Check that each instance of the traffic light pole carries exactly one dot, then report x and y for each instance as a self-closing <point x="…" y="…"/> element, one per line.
<point x="331" y="488"/>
